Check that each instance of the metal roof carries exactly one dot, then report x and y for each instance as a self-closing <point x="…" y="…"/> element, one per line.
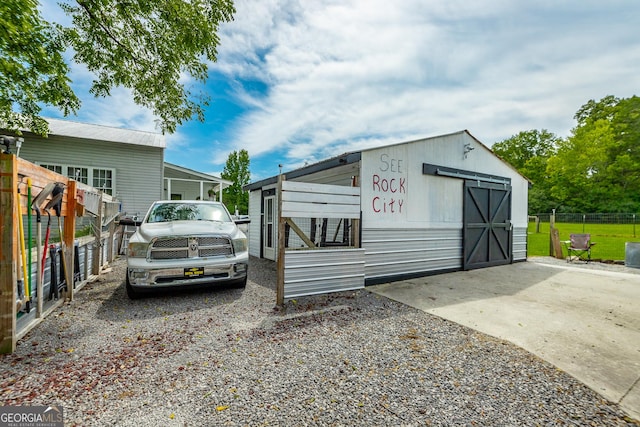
<point x="353" y="157"/>
<point x="105" y="133"/>
<point x="341" y="160"/>
<point x="201" y="175"/>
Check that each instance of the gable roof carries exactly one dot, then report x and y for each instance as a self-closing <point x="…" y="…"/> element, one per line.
<point x="105" y="133"/>
<point x="353" y="157"/>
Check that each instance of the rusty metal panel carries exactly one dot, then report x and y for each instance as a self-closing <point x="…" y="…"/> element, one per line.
<point x="311" y="272"/>
<point x="397" y="252"/>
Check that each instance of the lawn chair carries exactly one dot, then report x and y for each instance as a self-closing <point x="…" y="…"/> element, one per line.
<point x="579" y="247"/>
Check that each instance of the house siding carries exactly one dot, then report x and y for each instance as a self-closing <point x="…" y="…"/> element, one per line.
<point x="138" y="169"/>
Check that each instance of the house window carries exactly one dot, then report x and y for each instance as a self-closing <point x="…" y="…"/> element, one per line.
<point x="103" y="180"/>
<point x="55" y="168"/>
<point x="79" y="174"/>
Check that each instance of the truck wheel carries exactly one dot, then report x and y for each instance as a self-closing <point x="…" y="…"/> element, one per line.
<point x="240" y="284"/>
<point x="131" y="293"/>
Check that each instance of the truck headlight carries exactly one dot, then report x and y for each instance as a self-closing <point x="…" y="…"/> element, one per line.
<point x="239" y="245"/>
<point x="137" y="250"/>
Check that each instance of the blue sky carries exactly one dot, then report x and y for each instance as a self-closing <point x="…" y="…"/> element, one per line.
<point x="300" y="81"/>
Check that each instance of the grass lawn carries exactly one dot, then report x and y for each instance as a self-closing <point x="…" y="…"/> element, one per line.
<point x="610" y="239"/>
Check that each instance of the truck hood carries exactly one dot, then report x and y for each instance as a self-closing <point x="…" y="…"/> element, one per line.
<point x="148" y="231"/>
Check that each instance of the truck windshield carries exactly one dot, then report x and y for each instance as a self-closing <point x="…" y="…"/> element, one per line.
<point x="163" y="212"/>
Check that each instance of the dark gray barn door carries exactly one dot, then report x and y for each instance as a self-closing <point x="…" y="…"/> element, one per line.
<point x="487" y="225"/>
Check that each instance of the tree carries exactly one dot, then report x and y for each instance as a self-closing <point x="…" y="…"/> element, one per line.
<point x="236" y="170"/>
<point x="597" y="110"/>
<point x="32" y="68"/>
<point x="529" y="152"/>
<point x="577" y="172"/>
<point x="148" y="46"/>
<point x="597" y="169"/>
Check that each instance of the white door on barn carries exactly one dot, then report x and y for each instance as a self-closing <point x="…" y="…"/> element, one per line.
<point x="269" y="228"/>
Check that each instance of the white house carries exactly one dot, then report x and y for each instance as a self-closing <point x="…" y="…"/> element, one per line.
<point x="127" y="164"/>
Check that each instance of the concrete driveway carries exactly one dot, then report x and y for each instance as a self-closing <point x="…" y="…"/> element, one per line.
<point x="585" y="321"/>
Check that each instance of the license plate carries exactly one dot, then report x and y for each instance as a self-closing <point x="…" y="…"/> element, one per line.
<point x="194" y="272"/>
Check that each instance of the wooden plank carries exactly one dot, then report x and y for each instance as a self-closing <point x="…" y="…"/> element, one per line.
<point x="355" y="224"/>
<point x="306" y="214"/>
<point x="336" y="199"/>
<point x="280" y="249"/>
<point x="96" y="262"/>
<point x="314" y="210"/>
<point x="307" y="187"/>
<point x="68" y="236"/>
<point x="557" y="246"/>
<point x="8" y="252"/>
<point x="355" y="233"/>
<point x="40" y="177"/>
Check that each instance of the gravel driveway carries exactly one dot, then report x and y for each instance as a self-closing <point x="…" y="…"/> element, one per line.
<point x="228" y="357"/>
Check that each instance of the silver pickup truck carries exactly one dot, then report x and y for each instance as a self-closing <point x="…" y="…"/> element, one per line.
<point x="186" y="243"/>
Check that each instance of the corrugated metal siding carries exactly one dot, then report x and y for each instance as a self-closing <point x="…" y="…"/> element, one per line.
<point x="519" y="243"/>
<point x="390" y="252"/>
<point x="255" y="207"/>
<point x="82" y="262"/>
<point x="89" y="259"/>
<point x="313" y="272"/>
<point x="138" y="169"/>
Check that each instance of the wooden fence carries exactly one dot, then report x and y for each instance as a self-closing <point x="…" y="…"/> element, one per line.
<point x="20" y="179"/>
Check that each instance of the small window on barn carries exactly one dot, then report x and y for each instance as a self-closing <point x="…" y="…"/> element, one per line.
<point x="103" y="180"/>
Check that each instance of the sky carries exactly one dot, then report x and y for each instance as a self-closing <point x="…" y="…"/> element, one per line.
<point x="300" y="81"/>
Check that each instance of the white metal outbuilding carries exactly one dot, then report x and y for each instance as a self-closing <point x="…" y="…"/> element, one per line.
<point x="432" y="205"/>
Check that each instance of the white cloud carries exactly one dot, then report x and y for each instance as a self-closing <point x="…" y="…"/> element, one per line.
<point x="351" y="74"/>
<point x="343" y="75"/>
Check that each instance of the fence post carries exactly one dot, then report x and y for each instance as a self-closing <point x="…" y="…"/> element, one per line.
<point x="96" y="263"/>
<point x="8" y="251"/>
<point x="68" y="237"/>
<point x="552" y="226"/>
<point x="280" y="250"/>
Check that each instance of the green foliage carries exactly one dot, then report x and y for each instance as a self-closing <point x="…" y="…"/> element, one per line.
<point x="147" y="46"/>
<point x="529" y="152"/>
<point x="610" y="239"/>
<point x="576" y="171"/>
<point x="32" y="69"/>
<point x="236" y="170"/>
<point x="151" y="47"/>
<point x="596" y="169"/>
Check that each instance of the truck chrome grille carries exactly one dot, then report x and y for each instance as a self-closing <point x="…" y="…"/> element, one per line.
<point x="191" y="247"/>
